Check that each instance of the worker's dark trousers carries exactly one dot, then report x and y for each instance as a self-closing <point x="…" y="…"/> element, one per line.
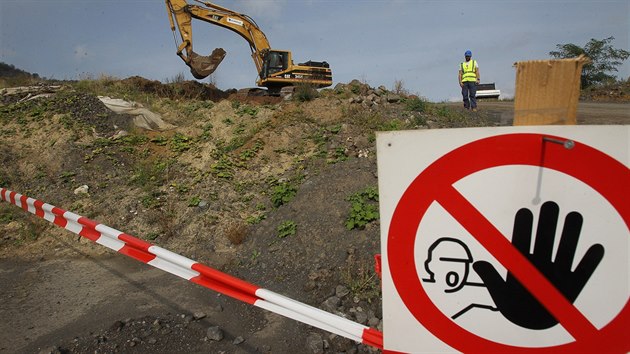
<point x="469" y="91"/>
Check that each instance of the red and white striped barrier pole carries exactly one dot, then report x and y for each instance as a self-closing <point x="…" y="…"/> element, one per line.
<point x="195" y="272"/>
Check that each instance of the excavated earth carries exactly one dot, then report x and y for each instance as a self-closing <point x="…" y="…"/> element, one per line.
<point x="257" y="187"/>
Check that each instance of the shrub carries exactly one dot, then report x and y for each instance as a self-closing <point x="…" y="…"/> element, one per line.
<point x="305" y="92"/>
<point x="415" y="104"/>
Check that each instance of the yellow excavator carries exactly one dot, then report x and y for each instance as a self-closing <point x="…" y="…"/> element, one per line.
<point x="275" y="67"/>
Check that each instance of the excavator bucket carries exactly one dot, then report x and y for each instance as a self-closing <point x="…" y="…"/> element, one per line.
<point x="202" y="66"/>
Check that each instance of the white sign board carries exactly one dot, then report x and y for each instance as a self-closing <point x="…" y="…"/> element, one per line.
<point x="512" y="239"/>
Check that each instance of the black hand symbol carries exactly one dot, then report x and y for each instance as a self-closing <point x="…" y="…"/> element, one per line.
<point x="510" y="297"/>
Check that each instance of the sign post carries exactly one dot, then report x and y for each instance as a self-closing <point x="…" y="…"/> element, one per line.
<point x="505" y="239"/>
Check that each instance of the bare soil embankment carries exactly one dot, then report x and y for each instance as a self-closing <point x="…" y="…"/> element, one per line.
<point x="218" y="189"/>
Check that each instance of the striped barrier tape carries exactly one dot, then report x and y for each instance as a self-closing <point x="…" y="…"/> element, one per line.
<point x="195" y="272"/>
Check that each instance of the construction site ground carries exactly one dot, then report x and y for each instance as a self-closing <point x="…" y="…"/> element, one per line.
<point x="260" y="188"/>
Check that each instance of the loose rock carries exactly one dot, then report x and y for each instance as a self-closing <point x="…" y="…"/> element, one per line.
<point x="341" y="291"/>
<point x="198" y="315"/>
<point x="331" y="304"/>
<point x="315" y="343"/>
<point x="215" y="333"/>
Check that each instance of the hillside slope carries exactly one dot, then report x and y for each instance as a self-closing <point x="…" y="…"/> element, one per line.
<point x="260" y="188"/>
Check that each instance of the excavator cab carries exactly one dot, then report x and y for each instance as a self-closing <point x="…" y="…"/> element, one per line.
<point x="274" y="61"/>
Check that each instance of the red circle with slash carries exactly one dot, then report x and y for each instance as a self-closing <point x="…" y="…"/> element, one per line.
<point x="607" y="176"/>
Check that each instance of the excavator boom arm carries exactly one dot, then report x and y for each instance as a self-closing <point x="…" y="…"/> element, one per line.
<point x="275" y="67"/>
<point x="180" y="16"/>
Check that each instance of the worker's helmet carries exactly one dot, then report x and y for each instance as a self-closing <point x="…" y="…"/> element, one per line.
<point x="468" y="53"/>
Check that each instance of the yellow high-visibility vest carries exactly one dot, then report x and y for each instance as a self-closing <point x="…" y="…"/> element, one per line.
<point x="468" y="71"/>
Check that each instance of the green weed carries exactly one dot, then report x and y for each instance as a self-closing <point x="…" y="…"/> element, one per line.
<point x="160" y="140"/>
<point x="361" y="280"/>
<point x="337" y="155"/>
<point x="363" y="209"/>
<point x="286" y="228"/>
<point x="180" y="143"/>
<point x="249" y="110"/>
<point x="415" y="104"/>
<point x="194" y="201"/>
<point x="67" y="176"/>
<point x="256" y="218"/>
<point x="223" y="168"/>
<point x="282" y="194"/>
<point x="152" y="200"/>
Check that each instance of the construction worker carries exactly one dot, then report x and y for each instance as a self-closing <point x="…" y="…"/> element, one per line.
<point x="468" y="80"/>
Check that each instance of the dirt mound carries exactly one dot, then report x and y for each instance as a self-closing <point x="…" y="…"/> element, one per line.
<point x="79" y="107"/>
<point x="177" y="90"/>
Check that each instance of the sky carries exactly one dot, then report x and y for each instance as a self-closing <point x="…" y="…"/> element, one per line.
<point x="380" y="42"/>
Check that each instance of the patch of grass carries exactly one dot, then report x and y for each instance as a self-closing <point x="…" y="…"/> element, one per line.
<point x="223" y="168"/>
<point x="335" y="129"/>
<point x="67" y="176"/>
<point x="180" y="143"/>
<point x="194" y="201"/>
<point x="250" y="153"/>
<point x="362" y="281"/>
<point x="4" y="179"/>
<point x="418" y="120"/>
<point x="363" y="209"/>
<point x="152" y="236"/>
<point x="191" y="108"/>
<point x="391" y="125"/>
<point x="205" y="135"/>
<point x="152" y="200"/>
<point x="249" y="110"/>
<point x="133" y="140"/>
<point x="286" y="228"/>
<point x="240" y="129"/>
<point x="147" y="173"/>
<point x="355" y="88"/>
<point x="282" y="193"/>
<point x="7" y="215"/>
<point x="180" y="188"/>
<point x="337" y="155"/>
<point x="160" y="140"/>
<point x="415" y="104"/>
<point x="256" y="218"/>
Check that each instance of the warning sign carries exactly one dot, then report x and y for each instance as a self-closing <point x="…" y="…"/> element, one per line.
<point x="505" y="239"/>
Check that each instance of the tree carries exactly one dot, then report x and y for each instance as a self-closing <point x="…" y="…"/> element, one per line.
<point x="604" y="59"/>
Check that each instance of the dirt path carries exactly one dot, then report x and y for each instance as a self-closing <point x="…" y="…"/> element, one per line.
<point x="68" y="302"/>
